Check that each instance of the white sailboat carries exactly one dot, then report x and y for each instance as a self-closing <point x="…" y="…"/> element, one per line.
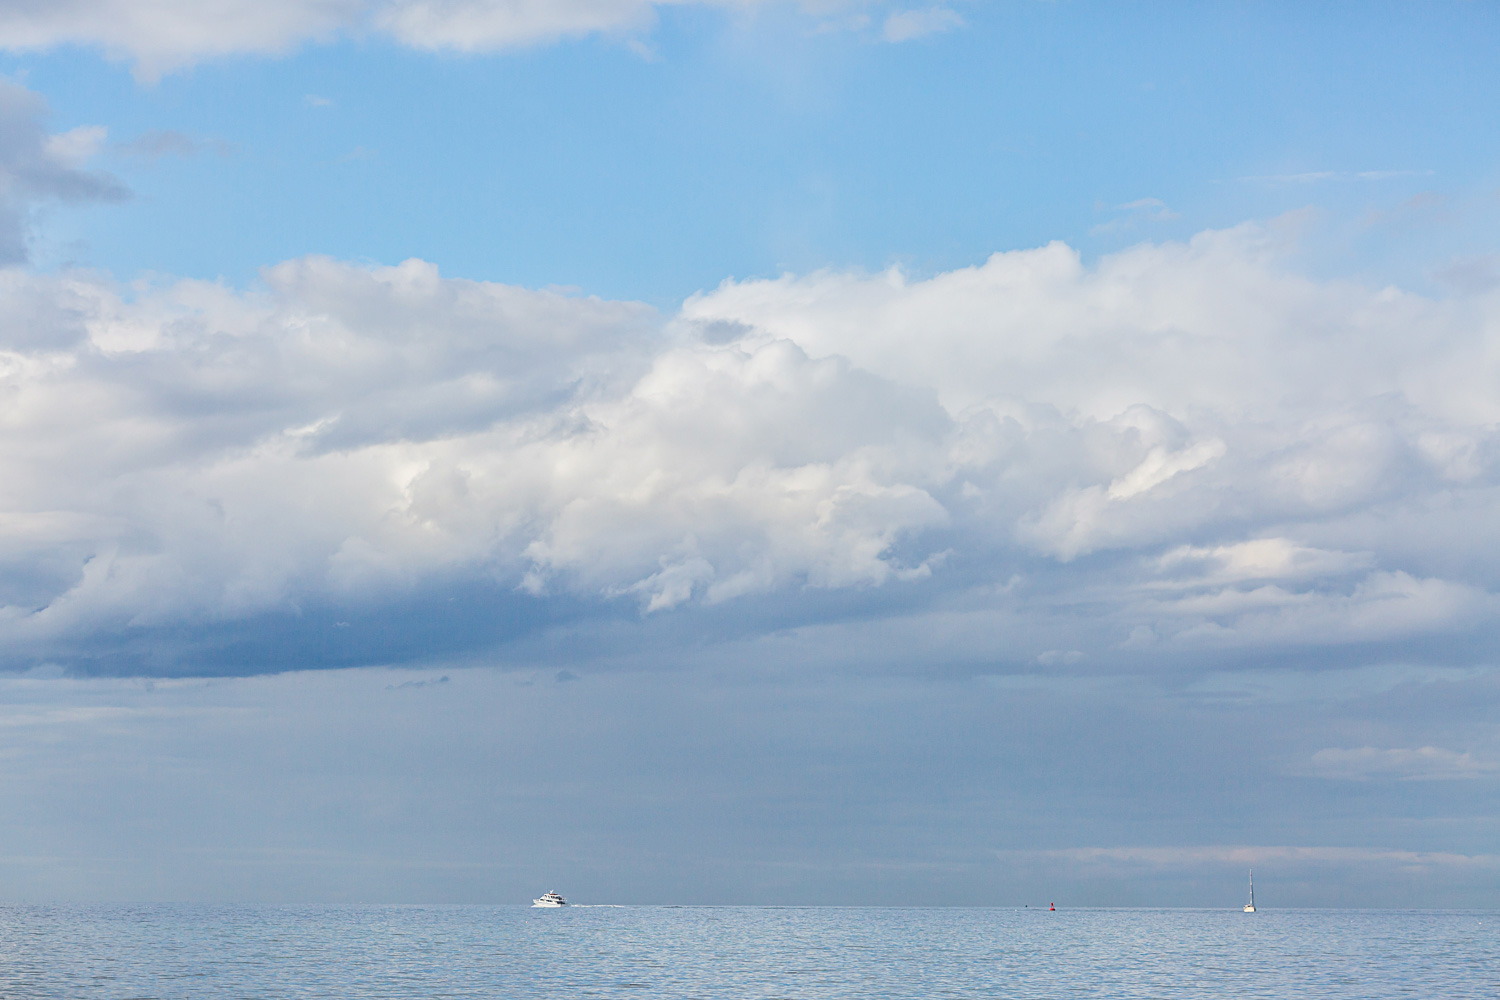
<point x="1250" y="906"/>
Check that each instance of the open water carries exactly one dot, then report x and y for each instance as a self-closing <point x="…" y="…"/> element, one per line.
<point x="648" y="951"/>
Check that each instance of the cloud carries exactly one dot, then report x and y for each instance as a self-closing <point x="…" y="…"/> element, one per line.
<point x="1471" y="275"/>
<point x="75" y="147"/>
<point x="1185" y="448"/>
<point x="1381" y="606"/>
<point x="160" y="36"/>
<point x="1136" y="213"/>
<point x="349" y="431"/>
<point x="903" y="26"/>
<point x="488" y="25"/>
<point x="1258" y="559"/>
<point x="1339" y="176"/>
<point x="415" y="684"/>
<point x="155" y="144"/>
<point x="1420" y="764"/>
<point x="1284" y="856"/>
<point x="36" y="167"/>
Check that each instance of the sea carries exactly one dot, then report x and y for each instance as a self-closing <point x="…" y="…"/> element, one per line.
<point x="347" y="952"/>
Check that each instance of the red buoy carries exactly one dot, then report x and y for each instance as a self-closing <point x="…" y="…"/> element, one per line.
<point x="1052" y="907"/>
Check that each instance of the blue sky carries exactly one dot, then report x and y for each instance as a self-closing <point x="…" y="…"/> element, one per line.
<point x="749" y="452"/>
<point x="748" y="143"/>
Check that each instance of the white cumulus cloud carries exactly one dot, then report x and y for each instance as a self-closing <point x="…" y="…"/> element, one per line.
<point x="1185" y="446"/>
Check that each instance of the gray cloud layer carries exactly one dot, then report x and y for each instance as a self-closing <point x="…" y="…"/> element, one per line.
<point x="1185" y="453"/>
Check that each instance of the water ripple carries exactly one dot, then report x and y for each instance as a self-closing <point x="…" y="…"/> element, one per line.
<point x="178" y="952"/>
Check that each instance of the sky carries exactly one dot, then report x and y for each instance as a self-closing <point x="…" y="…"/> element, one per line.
<point x="844" y="452"/>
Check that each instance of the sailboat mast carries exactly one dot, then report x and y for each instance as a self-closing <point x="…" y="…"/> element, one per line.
<point x="1252" y="887"/>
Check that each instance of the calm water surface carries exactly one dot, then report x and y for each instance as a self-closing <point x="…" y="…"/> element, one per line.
<point x="645" y="951"/>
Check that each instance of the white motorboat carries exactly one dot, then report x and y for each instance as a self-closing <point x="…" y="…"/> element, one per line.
<point x="1250" y="906"/>
<point x="549" y="899"/>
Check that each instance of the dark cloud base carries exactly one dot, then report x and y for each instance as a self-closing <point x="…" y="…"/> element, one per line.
<point x="951" y="626"/>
